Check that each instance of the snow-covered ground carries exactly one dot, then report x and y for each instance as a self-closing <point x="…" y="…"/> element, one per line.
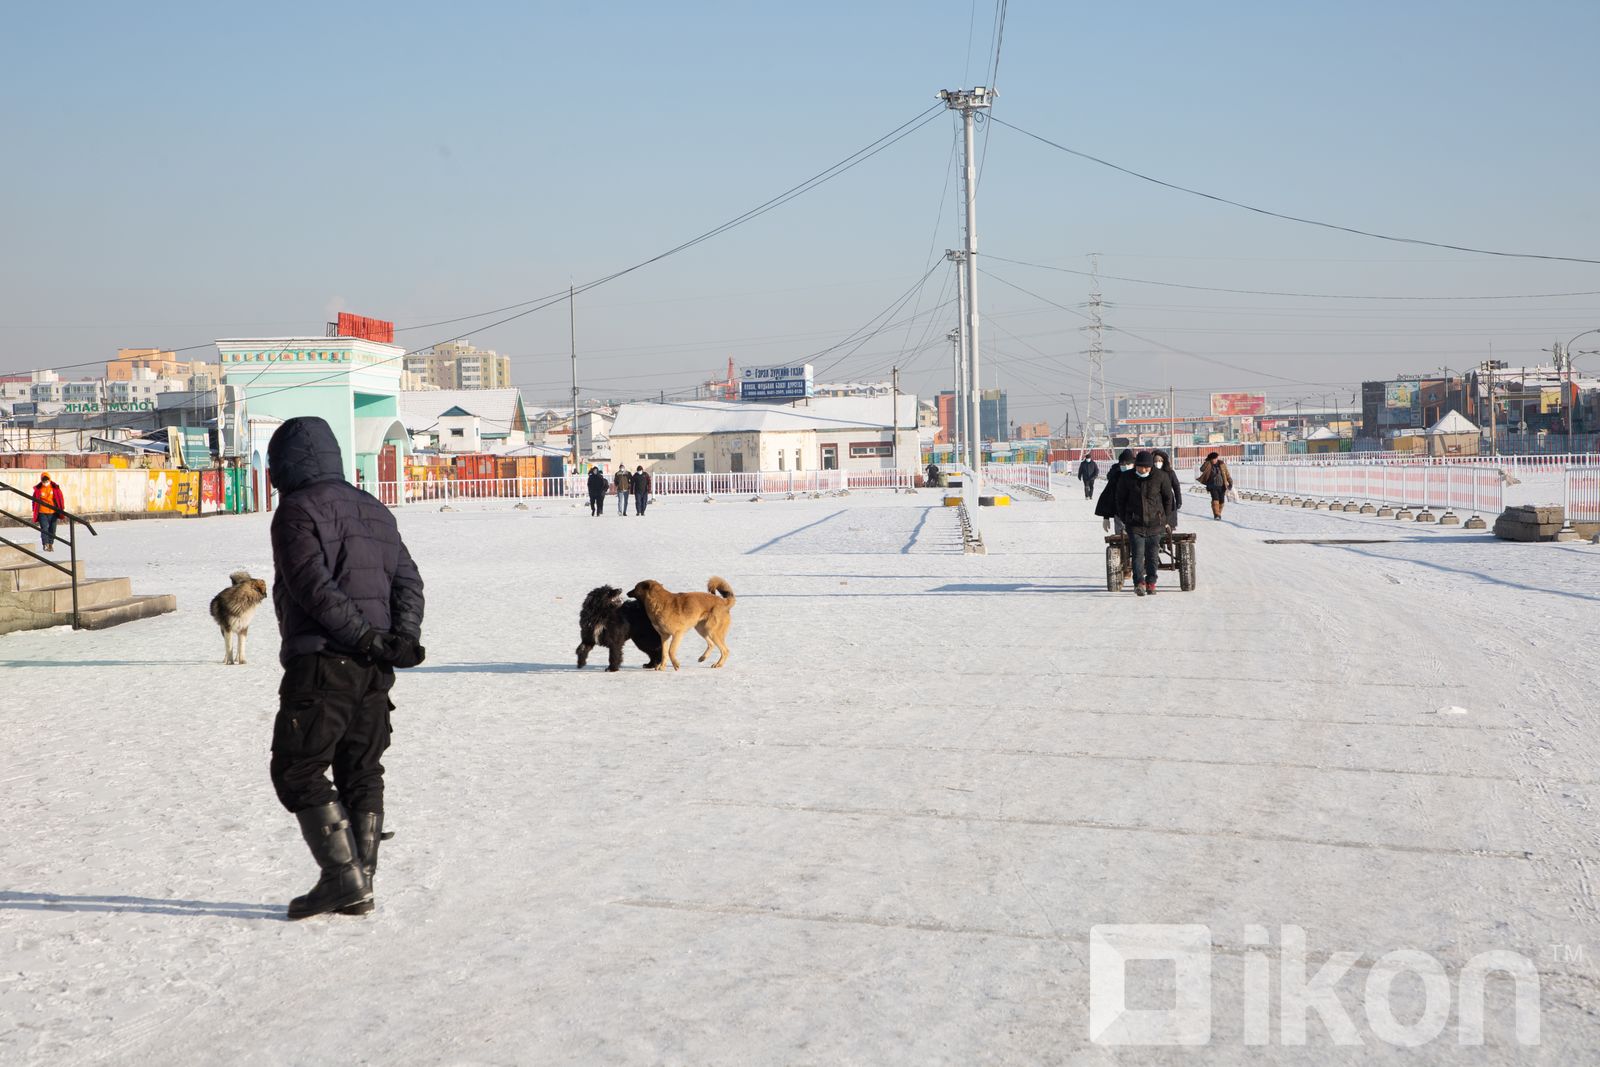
<point x="882" y="834"/>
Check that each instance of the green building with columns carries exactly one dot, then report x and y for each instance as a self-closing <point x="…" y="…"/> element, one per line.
<point x="351" y="382"/>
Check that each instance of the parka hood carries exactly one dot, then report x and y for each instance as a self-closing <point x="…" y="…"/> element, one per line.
<point x="303" y="452"/>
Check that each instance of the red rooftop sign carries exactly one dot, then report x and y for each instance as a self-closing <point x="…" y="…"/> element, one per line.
<point x="365" y="328"/>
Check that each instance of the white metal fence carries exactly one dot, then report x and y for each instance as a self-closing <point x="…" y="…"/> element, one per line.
<point x="1470" y="488"/>
<point x="1554" y="461"/>
<point x="576" y="486"/>
<point x="1031" y="475"/>
<point x="1582" y="494"/>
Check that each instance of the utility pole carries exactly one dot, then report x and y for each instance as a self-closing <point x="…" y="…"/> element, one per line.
<point x="894" y="414"/>
<point x="1172" y="426"/>
<point x="1494" y="438"/>
<point x="969" y="102"/>
<point x="963" y="380"/>
<point x="956" y="415"/>
<point x="572" y="332"/>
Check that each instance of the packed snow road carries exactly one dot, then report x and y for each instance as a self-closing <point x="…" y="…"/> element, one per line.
<point x="883" y="833"/>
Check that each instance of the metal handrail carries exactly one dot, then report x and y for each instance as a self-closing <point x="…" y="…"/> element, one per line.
<point x="71" y="569"/>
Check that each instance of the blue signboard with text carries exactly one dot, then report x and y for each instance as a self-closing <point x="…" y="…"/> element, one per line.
<point x="776" y="383"/>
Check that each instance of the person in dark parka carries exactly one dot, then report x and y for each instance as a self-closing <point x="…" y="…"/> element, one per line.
<point x="1106" y="507"/>
<point x="597" y="491"/>
<point x="1088" y="471"/>
<point x="641" y="489"/>
<point x="1163" y="466"/>
<point x="1143" y="502"/>
<point x="349" y="605"/>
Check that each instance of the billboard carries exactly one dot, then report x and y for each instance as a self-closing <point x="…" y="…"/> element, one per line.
<point x="1238" y="405"/>
<point x="789" y="382"/>
<point x="367" y="329"/>
<point x="1400" y="395"/>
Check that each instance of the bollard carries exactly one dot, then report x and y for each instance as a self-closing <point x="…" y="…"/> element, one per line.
<point x="1424" y="515"/>
<point x="1368" y="509"/>
<point x="1449" y="518"/>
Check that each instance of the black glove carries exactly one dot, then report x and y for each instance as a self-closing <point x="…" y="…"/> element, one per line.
<point x="391" y="650"/>
<point x="406" y="651"/>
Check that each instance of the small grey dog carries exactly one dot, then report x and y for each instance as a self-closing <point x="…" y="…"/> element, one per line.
<point x="233" y="608"/>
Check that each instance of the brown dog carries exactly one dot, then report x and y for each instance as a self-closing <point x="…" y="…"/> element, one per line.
<point x="233" y="608"/>
<point x="674" y="614"/>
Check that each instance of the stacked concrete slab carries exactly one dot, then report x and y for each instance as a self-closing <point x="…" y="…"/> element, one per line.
<point x="36" y="597"/>
<point x="1530" y="523"/>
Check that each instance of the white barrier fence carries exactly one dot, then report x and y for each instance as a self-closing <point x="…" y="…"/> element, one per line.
<point x="1030" y="475"/>
<point x="576" y="486"/>
<point x="1554" y="461"/>
<point x="1582" y="494"/>
<point x="1448" y="487"/>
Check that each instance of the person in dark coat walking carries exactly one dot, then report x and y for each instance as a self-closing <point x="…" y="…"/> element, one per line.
<point x="933" y="476"/>
<point x="641" y="489"/>
<point x="1143" y="501"/>
<point x="1088" y="471"/>
<point x="624" y="483"/>
<point x="1163" y="467"/>
<point x="1106" y="506"/>
<point x="1215" y="477"/>
<point x="48" y="504"/>
<point x="597" y="492"/>
<point x="349" y="605"/>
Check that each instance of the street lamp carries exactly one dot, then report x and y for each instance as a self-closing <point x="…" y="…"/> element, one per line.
<point x="1569" y="400"/>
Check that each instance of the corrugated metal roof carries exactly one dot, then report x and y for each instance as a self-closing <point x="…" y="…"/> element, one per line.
<point x="732" y="416"/>
<point x="501" y="408"/>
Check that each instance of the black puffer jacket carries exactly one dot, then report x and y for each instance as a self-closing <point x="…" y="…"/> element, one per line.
<point x="340" y="566"/>
<point x="1177" y="489"/>
<point x="1143" y="503"/>
<point x="1106" y="506"/>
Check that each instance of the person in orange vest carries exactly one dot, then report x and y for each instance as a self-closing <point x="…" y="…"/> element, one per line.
<point x="48" y="503"/>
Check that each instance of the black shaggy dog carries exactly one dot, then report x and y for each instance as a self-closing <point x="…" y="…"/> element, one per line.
<point x="607" y="619"/>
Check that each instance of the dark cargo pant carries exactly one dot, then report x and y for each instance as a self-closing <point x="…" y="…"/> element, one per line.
<point x="333" y="711"/>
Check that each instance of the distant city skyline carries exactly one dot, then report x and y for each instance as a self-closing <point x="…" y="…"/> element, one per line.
<point x="176" y="179"/>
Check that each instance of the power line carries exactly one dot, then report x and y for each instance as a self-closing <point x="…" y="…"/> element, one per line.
<point x="1273" y="292"/>
<point x="1292" y="218"/>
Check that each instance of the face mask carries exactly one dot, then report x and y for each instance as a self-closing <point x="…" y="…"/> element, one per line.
<point x="1127" y="466"/>
<point x="1142" y="474"/>
<point x="1160" y="464"/>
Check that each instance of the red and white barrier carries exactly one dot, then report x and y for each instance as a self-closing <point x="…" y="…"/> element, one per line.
<point x="1583" y="494"/>
<point x="1445" y="487"/>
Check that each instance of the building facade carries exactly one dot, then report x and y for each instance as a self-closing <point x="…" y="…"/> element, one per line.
<point x="460" y="365"/>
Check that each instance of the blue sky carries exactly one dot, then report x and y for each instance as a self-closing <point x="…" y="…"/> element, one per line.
<point x="182" y="172"/>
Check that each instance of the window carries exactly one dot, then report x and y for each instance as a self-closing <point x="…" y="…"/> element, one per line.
<point x="736" y="463"/>
<point x="456" y="431"/>
<point x="830" y="457"/>
<point x="659" y="455"/>
<point x="797" y="459"/>
<point x="699" y="462"/>
<point x="871" y="449"/>
<point x="780" y="459"/>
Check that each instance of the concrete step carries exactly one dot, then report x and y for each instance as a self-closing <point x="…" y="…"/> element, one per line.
<point x="32" y="575"/>
<point x="58" y="597"/>
<point x="12" y="557"/>
<point x="128" y="609"/>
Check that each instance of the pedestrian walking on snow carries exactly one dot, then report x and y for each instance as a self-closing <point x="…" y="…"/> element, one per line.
<point x="624" y="483"/>
<point x="933" y="476"/>
<point x="48" y="504"/>
<point x="597" y="492"/>
<point x="1144" y="500"/>
<point x="1088" y="471"/>
<point x="1163" y="467"/>
<point x="641" y="488"/>
<point x="1106" y="506"/>
<point x="1214" y="475"/>
<point x="349" y="605"/>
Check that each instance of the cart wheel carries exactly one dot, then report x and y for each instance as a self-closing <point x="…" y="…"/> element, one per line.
<point x="1186" y="566"/>
<point x="1113" y="569"/>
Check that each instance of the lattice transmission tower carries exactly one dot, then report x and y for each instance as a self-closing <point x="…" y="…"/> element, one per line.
<point x="1095" y="434"/>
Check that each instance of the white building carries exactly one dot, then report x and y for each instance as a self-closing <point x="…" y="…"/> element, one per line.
<point x="465" y="420"/>
<point x="722" y="436"/>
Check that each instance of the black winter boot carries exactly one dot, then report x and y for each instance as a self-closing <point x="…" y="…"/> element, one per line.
<point x="368" y="830"/>
<point x="333" y="846"/>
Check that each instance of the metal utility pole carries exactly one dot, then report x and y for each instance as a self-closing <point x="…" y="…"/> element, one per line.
<point x="1494" y="437"/>
<point x="1570" y="397"/>
<point x="964" y="403"/>
<point x="1172" y="426"/>
<point x="957" y="418"/>
<point x="894" y="415"/>
<point x="572" y="332"/>
<point x="969" y="102"/>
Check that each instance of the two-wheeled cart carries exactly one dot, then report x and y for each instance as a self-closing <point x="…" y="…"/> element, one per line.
<point x="1175" y="553"/>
